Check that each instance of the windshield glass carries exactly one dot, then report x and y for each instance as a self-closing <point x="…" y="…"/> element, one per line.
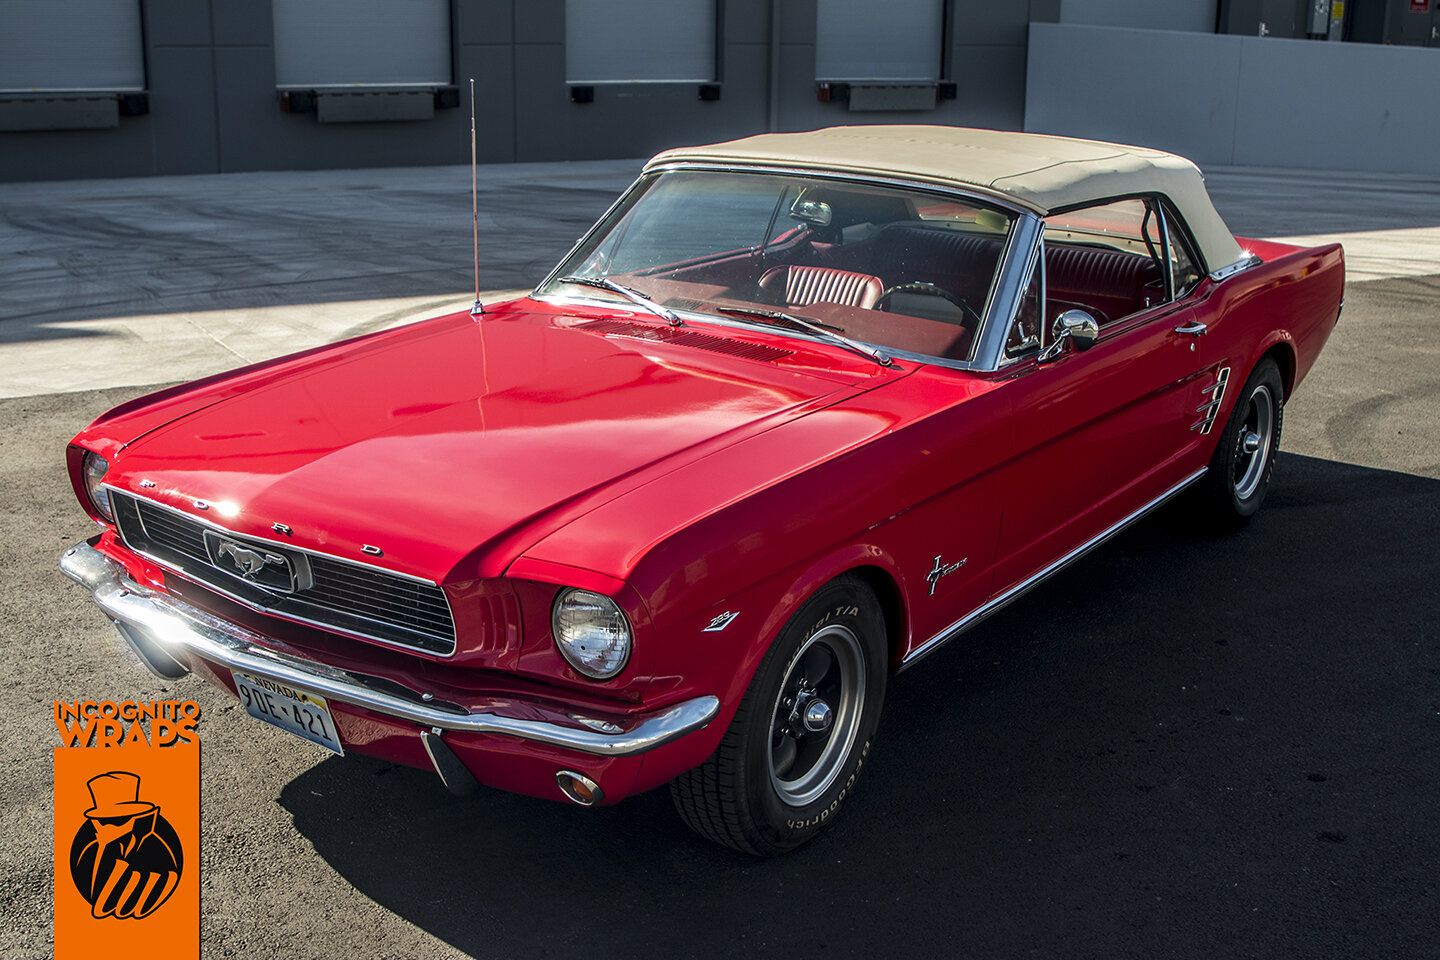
<point x="903" y="270"/>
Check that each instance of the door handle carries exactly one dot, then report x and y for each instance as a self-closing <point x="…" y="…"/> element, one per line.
<point x="1195" y="329"/>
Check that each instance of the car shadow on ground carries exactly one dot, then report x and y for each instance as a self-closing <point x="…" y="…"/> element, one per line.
<point x="1191" y="743"/>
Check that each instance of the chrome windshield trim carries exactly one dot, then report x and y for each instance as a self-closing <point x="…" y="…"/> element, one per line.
<point x="1004" y="599"/>
<point x="173" y="624"/>
<point x="1022" y="258"/>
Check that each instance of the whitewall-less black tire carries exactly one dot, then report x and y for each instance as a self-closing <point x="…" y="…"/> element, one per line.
<point x="802" y="733"/>
<point x="1244" y="461"/>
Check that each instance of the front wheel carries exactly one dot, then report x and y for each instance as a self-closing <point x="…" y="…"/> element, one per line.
<point x="1243" y="463"/>
<point x="801" y="734"/>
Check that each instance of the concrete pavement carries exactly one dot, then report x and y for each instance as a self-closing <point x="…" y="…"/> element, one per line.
<point x="107" y="283"/>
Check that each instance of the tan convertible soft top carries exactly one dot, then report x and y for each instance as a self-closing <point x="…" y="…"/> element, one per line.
<point x="1041" y="173"/>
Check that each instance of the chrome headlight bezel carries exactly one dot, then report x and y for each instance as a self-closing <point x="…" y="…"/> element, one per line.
<point x="591" y="632"/>
<point x="93" y="469"/>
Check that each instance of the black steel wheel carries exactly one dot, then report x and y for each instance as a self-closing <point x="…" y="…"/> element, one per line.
<point x="1244" y="461"/>
<point x="803" y="731"/>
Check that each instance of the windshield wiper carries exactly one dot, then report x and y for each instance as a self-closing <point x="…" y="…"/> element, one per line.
<point x="777" y="315"/>
<point x="634" y="296"/>
<point x="826" y="331"/>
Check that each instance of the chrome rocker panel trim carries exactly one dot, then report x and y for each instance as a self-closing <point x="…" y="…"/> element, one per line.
<point x="1004" y="600"/>
<point x="162" y="620"/>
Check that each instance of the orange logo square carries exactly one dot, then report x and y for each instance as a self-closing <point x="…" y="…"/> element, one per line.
<point x="127" y="851"/>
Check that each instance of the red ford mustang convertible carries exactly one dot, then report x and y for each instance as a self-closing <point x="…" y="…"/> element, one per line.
<point x="800" y="409"/>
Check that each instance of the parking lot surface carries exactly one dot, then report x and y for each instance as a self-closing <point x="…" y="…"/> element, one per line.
<point x="1187" y="745"/>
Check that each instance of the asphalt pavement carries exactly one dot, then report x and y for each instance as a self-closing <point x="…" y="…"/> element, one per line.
<point x="1188" y="745"/>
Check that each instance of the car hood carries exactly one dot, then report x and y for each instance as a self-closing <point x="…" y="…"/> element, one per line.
<point x="454" y="440"/>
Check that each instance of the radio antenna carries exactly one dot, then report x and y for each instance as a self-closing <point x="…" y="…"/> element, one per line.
<point x="478" y="309"/>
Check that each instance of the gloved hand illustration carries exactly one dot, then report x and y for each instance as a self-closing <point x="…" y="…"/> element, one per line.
<point x="126" y="860"/>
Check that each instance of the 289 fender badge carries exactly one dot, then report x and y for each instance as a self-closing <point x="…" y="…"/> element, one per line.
<point x="721" y="622"/>
<point x="941" y="569"/>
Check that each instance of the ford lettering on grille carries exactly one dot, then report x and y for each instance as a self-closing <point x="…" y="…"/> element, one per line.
<point x="325" y="591"/>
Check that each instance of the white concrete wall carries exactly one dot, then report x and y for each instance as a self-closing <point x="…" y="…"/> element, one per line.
<point x="1246" y="101"/>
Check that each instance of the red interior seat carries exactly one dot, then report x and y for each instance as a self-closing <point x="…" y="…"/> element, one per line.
<point x="800" y="286"/>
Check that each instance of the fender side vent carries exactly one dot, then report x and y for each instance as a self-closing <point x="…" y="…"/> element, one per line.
<point x="684" y="337"/>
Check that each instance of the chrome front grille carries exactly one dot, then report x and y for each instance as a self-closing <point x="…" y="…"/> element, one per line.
<point x="353" y="598"/>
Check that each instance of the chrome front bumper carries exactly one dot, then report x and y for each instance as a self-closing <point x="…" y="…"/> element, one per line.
<point x="157" y="625"/>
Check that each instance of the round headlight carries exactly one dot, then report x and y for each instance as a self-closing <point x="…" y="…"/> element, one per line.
<point x="592" y="632"/>
<point x="96" y="467"/>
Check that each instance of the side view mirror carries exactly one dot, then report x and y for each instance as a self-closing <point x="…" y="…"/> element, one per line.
<point x="1075" y="326"/>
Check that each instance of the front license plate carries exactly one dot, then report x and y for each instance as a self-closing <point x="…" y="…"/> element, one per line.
<point x="303" y="714"/>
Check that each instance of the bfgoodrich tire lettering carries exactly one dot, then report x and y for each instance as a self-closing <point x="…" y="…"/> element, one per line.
<point x="1243" y="463"/>
<point x="803" y="732"/>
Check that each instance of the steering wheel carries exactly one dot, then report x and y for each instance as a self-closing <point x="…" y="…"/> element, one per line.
<point x="929" y="290"/>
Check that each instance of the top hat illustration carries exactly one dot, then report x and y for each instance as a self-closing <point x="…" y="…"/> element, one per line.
<point x="116" y="795"/>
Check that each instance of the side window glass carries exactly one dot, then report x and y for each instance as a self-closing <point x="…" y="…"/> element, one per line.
<point x="1106" y="260"/>
<point x="1025" y="331"/>
<point x="1182" y="267"/>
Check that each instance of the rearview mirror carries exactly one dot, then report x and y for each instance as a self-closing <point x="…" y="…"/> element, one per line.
<point x="816" y="212"/>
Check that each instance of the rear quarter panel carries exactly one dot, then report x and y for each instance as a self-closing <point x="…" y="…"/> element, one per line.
<point x="1291" y="301"/>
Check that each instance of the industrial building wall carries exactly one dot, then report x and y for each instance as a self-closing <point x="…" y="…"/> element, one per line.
<point x="214" y="75"/>
<point x="1248" y="101"/>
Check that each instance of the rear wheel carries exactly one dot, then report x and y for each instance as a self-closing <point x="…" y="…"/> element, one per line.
<point x="1243" y="463"/>
<point x="800" y="736"/>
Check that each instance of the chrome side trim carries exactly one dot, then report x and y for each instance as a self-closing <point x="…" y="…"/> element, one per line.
<point x="1247" y="261"/>
<point x="172" y="624"/>
<point x="1211" y="407"/>
<point x="1004" y="600"/>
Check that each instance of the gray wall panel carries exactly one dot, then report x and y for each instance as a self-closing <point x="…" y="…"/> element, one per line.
<point x="176" y="23"/>
<point x="1002" y="23"/>
<point x="1378" y="110"/>
<point x="539" y="21"/>
<point x="989" y="89"/>
<point x="797" y="21"/>
<point x="745" y="21"/>
<point x="1190" y="110"/>
<point x="484" y="23"/>
<point x="182" y="110"/>
<point x="1335" y="106"/>
<point x="253" y="133"/>
<point x="493" y="67"/>
<point x="72" y="154"/>
<point x="241" y="22"/>
<point x="543" y="110"/>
